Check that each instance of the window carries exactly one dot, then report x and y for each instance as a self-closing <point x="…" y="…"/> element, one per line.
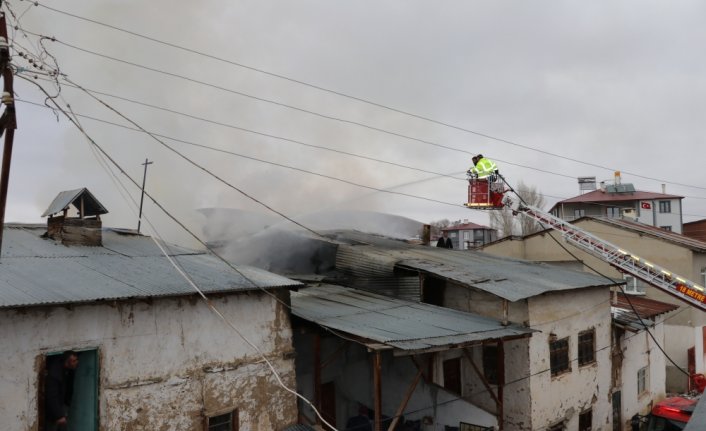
<point x="223" y="422"/>
<point x="642" y="380"/>
<point x="633" y="285"/>
<point x="559" y="356"/>
<point x="667" y="228"/>
<point x="490" y="363"/>
<point x="578" y="213"/>
<point x="452" y="234"/>
<point x="466" y="235"/>
<point x="665" y="206"/>
<point x="585" y="419"/>
<point x="587" y="347"/>
<point x="612" y="212"/>
<point x="452" y="375"/>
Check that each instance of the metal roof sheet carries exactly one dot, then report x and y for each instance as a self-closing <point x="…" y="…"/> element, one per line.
<point x="68" y="197"/>
<point x="397" y="323"/>
<point x="511" y="279"/>
<point x="38" y="271"/>
<point x="646" y="307"/>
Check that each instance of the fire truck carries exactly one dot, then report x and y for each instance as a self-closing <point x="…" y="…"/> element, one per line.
<point x="671" y="413"/>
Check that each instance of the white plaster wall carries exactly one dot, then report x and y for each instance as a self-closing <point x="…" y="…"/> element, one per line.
<point x="565" y="396"/>
<point x="639" y="350"/>
<point x="161" y="364"/>
<point x="678" y="339"/>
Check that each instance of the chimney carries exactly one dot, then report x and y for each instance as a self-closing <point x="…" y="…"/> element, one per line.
<point x="664" y="189"/>
<point x="426" y="234"/>
<point x="83" y="229"/>
<point x="617" y="178"/>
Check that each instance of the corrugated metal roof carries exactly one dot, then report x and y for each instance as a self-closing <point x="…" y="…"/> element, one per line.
<point x="397" y="323"/>
<point x="673" y="237"/>
<point x="646" y="307"/>
<point x="625" y="316"/>
<point x="64" y="199"/>
<point x="38" y="271"/>
<point x="511" y="279"/>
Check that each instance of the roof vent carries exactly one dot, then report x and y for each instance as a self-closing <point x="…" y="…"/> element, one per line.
<point x="85" y="228"/>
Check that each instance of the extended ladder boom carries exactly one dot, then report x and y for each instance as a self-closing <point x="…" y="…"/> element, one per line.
<point x="623" y="260"/>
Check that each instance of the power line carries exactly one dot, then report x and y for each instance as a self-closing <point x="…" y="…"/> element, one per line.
<point x="208" y="302"/>
<point x="338" y="93"/>
<point x="359" y="124"/>
<point x="376" y="189"/>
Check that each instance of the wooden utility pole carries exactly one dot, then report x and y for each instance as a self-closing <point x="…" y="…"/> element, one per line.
<point x="8" y="122"/>
<point x="142" y="197"/>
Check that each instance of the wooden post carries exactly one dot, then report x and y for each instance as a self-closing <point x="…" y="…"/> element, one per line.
<point x="142" y="196"/>
<point x="501" y="382"/>
<point x="403" y="404"/>
<point x="317" y="374"/>
<point x="505" y="312"/>
<point x="377" y="368"/>
<point x="10" y="122"/>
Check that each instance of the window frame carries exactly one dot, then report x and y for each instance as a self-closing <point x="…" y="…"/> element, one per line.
<point x="642" y="381"/>
<point x="666" y="228"/>
<point x="564" y="364"/>
<point x="612" y="212"/>
<point x="633" y="285"/>
<point x="234" y="421"/>
<point x="490" y="363"/>
<point x="449" y="385"/>
<point x="579" y="212"/>
<point x="665" y="207"/>
<point x="586" y="416"/>
<point x="583" y="350"/>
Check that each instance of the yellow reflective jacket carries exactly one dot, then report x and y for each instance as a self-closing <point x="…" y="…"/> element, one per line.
<point x="484" y="168"/>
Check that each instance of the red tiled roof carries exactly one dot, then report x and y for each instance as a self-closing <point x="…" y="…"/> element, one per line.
<point x="601" y="196"/>
<point x="646" y="308"/>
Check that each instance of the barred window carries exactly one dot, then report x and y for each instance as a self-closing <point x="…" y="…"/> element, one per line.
<point x="642" y="380"/>
<point x="559" y="356"/>
<point x="587" y="347"/>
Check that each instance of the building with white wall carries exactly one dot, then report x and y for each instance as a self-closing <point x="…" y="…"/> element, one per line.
<point x="152" y="354"/>
<point x="661" y="210"/>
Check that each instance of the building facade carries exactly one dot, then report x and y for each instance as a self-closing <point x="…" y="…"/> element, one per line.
<point x="152" y="354"/>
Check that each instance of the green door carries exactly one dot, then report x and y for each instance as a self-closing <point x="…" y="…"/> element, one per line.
<point x="83" y="415"/>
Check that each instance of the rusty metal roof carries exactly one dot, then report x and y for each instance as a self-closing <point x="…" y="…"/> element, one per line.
<point x="647" y="309"/>
<point x="396" y="323"/>
<point x="602" y="196"/>
<point x="366" y="255"/>
<point x="64" y="199"/>
<point x="38" y="271"/>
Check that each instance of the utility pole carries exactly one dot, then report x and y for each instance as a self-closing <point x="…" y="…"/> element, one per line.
<point x="142" y="198"/>
<point x="8" y="121"/>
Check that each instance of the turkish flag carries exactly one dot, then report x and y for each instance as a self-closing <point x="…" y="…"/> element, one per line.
<point x="645" y="205"/>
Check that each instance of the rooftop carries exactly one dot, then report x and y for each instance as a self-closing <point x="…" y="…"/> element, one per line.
<point x="625" y="316"/>
<point x="396" y="323"/>
<point x="607" y="196"/>
<point x="37" y="271"/>
<point x="511" y="279"/>
<point x="655" y="232"/>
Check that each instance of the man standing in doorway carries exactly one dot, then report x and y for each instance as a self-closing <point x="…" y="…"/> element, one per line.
<point x="59" y="391"/>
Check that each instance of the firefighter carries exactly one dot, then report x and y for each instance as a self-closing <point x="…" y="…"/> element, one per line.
<point x="483" y="168"/>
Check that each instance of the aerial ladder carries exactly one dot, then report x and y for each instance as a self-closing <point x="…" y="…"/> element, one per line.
<point x="495" y="196"/>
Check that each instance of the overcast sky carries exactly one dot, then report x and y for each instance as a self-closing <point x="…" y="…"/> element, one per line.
<point x="615" y="84"/>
